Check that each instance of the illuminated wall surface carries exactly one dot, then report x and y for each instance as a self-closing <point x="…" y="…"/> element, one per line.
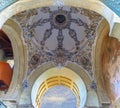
<point x="113" y="4"/>
<point x="5" y="3"/>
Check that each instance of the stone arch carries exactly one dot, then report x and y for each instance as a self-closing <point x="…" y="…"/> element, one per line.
<point x="73" y="67"/>
<point x="64" y="72"/>
<point x="102" y="32"/>
<point x="106" y="61"/>
<point x="13" y="32"/>
<point x="96" y="6"/>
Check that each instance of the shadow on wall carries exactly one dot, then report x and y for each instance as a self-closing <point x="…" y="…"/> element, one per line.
<point x="111" y="67"/>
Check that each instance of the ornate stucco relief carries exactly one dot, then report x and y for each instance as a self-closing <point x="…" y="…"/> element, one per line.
<point x="59" y="35"/>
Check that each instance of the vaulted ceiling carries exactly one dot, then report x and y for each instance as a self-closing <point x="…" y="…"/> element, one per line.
<point x="59" y="35"/>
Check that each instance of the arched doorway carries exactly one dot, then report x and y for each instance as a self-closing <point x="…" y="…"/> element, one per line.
<point x="65" y="77"/>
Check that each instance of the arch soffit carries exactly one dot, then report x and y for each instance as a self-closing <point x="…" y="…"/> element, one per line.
<point x="73" y="67"/>
<point x="13" y="32"/>
<point x="102" y="32"/>
<point x="96" y="6"/>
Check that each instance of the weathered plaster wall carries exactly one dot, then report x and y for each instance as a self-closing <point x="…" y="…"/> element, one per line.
<point x="107" y="53"/>
<point x="111" y="67"/>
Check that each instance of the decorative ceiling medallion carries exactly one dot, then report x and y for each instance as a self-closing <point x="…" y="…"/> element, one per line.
<point x="60" y="18"/>
<point x="58" y="35"/>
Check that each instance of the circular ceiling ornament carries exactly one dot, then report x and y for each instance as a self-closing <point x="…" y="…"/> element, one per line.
<point x="60" y="18"/>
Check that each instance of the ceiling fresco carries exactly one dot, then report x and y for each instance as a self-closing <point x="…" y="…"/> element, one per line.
<point x="59" y="35"/>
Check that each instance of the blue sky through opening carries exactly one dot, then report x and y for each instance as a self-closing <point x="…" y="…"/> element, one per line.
<point x="58" y="97"/>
